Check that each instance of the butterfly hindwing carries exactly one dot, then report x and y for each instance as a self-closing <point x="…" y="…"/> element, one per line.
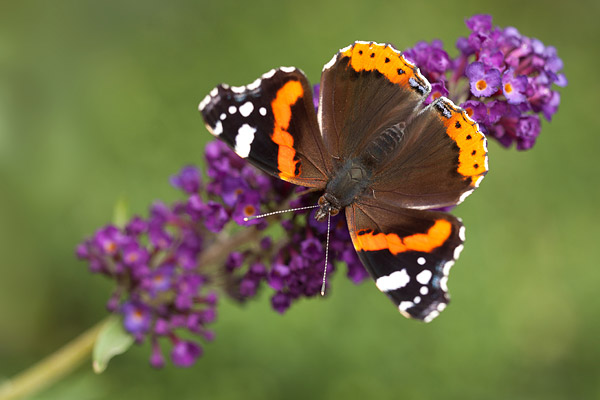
<point x="408" y="253"/>
<point x="441" y="159"/>
<point x="272" y="123"/>
<point x="366" y="88"/>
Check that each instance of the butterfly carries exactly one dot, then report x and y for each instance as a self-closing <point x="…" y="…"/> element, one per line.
<point x="376" y="153"/>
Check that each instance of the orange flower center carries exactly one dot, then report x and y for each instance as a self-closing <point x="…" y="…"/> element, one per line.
<point x="436" y="95"/>
<point x="110" y="246"/>
<point x="481" y="84"/>
<point x="469" y="111"/>
<point x="249" y="210"/>
<point x="508" y="88"/>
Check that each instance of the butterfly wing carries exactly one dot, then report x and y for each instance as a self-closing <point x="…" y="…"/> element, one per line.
<point x="366" y="88"/>
<point x="441" y="159"/>
<point x="408" y="253"/>
<point x="271" y="122"/>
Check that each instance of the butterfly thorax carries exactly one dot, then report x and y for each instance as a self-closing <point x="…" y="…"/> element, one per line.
<point x="350" y="180"/>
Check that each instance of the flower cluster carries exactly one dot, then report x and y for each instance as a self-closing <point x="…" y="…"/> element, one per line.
<point x="503" y="79"/>
<point x="169" y="267"/>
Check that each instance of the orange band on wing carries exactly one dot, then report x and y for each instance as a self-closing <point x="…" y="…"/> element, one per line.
<point x="472" y="159"/>
<point x="435" y="237"/>
<point x="383" y="58"/>
<point x="285" y="98"/>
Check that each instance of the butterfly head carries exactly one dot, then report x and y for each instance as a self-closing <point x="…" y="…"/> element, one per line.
<point x="328" y="204"/>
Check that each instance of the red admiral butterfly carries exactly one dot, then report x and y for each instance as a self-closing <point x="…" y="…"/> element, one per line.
<point x="374" y="152"/>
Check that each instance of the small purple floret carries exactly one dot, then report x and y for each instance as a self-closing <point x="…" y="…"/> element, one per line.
<point x="185" y="353"/>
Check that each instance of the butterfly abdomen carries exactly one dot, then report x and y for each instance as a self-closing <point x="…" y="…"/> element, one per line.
<point x="383" y="145"/>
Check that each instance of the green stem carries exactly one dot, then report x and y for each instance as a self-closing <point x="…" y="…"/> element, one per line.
<point x="53" y="367"/>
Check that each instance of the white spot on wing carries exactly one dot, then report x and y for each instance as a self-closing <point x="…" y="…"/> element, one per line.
<point x="218" y="129"/>
<point x="417" y="299"/>
<point x="222" y="116"/>
<point x="330" y="63"/>
<point x="444" y="283"/>
<point x="393" y="281"/>
<point x="243" y="140"/>
<point x="232" y="109"/>
<point x="269" y="74"/>
<point x="238" y="89"/>
<point x="424" y="276"/>
<point x="246" y="108"/>
<point x="431" y="316"/>
<point x="421" y="260"/>
<point x="464" y="196"/>
<point x="461" y="233"/>
<point x="262" y="111"/>
<point x="424" y="290"/>
<point x="204" y="103"/>
<point x="254" y="85"/>
<point x="447" y="267"/>
<point x="457" y="251"/>
<point x="214" y="92"/>
<point x="345" y="49"/>
<point x="441" y="307"/>
<point x="405" y="305"/>
<point x="288" y="69"/>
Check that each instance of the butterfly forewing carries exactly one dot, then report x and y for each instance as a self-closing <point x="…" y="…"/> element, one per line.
<point x="366" y="88"/>
<point x="272" y="123"/>
<point x="408" y="253"/>
<point x="441" y="160"/>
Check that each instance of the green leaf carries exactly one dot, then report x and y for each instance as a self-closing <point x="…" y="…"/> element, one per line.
<point x="121" y="213"/>
<point x="112" y="341"/>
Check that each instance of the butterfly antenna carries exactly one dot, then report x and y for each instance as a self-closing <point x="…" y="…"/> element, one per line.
<point x="326" y="254"/>
<point x="279" y="212"/>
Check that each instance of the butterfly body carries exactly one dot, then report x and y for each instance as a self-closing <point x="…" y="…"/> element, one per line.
<point x="376" y="154"/>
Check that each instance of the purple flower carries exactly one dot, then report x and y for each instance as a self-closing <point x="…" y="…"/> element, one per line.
<point x="156" y="359"/>
<point x="483" y="83"/>
<point x="160" y="279"/>
<point x="281" y="302"/>
<point x="496" y="110"/>
<point x="187" y="180"/>
<point x="136" y="226"/>
<point x="312" y="249"/>
<point x="215" y="217"/>
<point x="514" y="87"/>
<point x="247" y="205"/>
<point x="136" y="317"/>
<point x="438" y="89"/>
<point x="356" y="271"/>
<point x="432" y="59"/>
<point x="479" y="23"/>
<point x="528" y="129"/>
<point x="185" y="353"/>
<point x="476" y="110"/>
<point x="108" y="240"/>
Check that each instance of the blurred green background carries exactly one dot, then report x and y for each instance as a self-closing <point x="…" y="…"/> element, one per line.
<point x="98" y="100"/>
